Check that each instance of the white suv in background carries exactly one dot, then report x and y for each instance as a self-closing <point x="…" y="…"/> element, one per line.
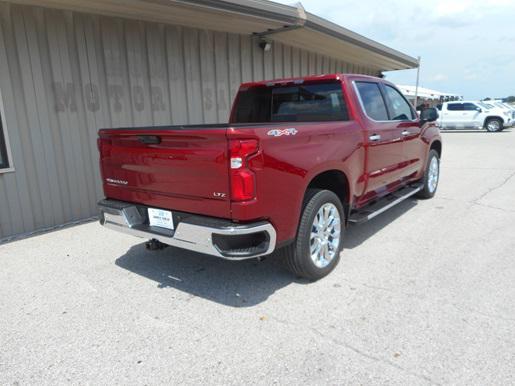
<point x="473" y="115"/>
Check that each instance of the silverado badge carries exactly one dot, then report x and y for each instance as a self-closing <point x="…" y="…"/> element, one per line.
<point x="117" y="182"/>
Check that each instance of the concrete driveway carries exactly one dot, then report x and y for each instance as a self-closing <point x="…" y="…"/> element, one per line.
<point x="424" y="294"/>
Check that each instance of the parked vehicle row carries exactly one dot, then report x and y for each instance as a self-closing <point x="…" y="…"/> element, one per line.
<point x="298" y="161"/>
<point x="492" y="117"/>
<point x="503" y="106"/>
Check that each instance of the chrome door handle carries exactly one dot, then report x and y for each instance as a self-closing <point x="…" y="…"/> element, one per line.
<point x="405" y="133"/>
<point x="375" y="137"/>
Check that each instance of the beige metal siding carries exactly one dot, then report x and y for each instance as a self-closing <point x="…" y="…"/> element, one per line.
<point x="63" y="75"/>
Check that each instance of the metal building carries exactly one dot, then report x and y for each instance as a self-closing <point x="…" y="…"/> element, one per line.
<point x="69" y="67"/>
<point x="427" y="96"/>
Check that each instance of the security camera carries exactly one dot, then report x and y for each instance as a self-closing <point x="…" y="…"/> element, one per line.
<point x="265" y="45"/>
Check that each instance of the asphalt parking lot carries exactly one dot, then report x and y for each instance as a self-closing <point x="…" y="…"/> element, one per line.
<point x="424" y="294"/>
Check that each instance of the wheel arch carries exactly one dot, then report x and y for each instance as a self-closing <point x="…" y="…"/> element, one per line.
<point x="494" y="117"/>
<point x="437" y="146"/>
<point x="335" y="181"/>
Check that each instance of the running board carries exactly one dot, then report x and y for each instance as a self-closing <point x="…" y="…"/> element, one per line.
<point x="383" y="204"/>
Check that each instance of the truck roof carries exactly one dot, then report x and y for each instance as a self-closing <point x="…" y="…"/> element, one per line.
<point x="311" y="78"/>
<point x="467" y="101"/>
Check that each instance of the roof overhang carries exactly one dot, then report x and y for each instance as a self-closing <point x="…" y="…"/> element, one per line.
<point x="253" y="17"/>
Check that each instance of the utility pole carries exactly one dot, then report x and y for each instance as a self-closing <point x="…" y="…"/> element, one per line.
<point x="416" y="85"/>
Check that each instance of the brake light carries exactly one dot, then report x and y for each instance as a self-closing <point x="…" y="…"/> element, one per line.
<point x="243" y="179"/>
<point x="103" y="144"/>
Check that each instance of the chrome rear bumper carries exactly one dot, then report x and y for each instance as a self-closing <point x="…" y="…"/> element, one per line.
<point x="196" y="233"/>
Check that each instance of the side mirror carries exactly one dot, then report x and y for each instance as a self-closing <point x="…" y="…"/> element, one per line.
<point x="428" y="115"/>
<point x="478" y="109"/>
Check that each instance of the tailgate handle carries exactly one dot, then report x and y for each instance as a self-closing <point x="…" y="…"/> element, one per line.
<point x="149" y="139"/>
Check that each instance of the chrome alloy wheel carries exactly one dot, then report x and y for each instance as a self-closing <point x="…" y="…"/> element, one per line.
<point x="432" y="178"/>
<point x="493" y="125"/>
<point x="325" y="235"/>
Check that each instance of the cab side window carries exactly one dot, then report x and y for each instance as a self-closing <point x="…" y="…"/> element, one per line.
<point x="400" y="109"/>
<point x="470" y="107"/>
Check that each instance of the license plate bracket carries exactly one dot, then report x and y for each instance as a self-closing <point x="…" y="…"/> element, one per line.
<point x="160" y="218"/>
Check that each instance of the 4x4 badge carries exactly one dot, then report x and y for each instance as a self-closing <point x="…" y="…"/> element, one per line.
<point x="279" y="132"/>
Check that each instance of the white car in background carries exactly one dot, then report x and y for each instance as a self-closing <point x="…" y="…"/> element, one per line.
<point x="473" y="115"/>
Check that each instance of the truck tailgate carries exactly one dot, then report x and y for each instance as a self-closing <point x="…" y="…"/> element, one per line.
<point x="177" y="168"/>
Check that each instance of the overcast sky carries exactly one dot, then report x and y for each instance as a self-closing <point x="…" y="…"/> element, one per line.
<point x="467" y="46"/>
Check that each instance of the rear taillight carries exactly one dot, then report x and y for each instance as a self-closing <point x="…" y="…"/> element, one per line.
<point x="102" y="144"/>
<point x="243" y="179"/>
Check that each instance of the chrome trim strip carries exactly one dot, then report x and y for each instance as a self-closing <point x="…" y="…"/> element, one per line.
<point x="193" y="237"/>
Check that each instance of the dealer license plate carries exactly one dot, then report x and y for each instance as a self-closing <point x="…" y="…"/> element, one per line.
<point x="160" y="218"/>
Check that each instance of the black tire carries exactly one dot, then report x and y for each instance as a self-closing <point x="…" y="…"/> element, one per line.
<point x="428" y="191"/>
<point x="494" y="125"/>
<point x="297" y="256"/>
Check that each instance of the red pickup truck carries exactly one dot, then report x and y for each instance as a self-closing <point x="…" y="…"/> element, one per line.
<point x="298" y="161"/>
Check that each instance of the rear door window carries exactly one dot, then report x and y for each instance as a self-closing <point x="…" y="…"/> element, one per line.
<point x="372" y="100"/>
<point x="455" y="107"/>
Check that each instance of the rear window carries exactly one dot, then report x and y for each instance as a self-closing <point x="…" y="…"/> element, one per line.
<point x="299" y="103"/>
